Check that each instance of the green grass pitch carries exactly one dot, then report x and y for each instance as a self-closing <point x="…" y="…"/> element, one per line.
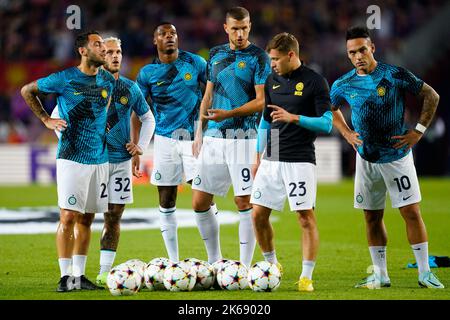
<point x="29" y="268"/>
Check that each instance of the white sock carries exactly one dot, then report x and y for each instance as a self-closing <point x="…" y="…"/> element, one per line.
<point x="79" y="265"/>
<point x="247" y="240"/>
<point x="168" y="224"/>
<point x="378" y="255"/>
<point x="209" y="231"/>
<point x="421" y="253"/>
<point x="106" y="260"/>
<point x="307" y="269"/>
<point x="270" y="257"/>
<point x="65" y="265"/>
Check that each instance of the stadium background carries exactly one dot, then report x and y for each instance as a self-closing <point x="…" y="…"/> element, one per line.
<point x="34" y="41"/>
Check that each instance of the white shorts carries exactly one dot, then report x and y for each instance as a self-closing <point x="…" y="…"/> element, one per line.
<point x="276" y="180"/>
<point x="372" y="180"/>
<point x="120" y="183"/>
<point x="223" y="162"/>
<point x="82" y="187"/>
<point x="171" y="159"/>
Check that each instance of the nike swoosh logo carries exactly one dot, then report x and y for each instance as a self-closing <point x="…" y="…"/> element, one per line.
<point x="381" y="251"/>
<point x="162" y="231"/>
<point x="406" y="198"/>
<point x="434" y="284"/>
<point x="417" y="249"/>
<point x="216" y="62"/>
<point x="276" y="86"/>
<point x="77" y="93"/>
<point x="246" y="188"/>
<point x="243" y="242"/>
<point x="353" y="96"/>
<point x="300" y="203"/>
<point x="160" y="83"/>
<point x="123" y="198"/>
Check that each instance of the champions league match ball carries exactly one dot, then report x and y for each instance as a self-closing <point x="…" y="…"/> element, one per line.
<point x="123" y="280"/>
<point x="233" y="276"/>
<point x="154" y="273"/>
<point x="217" y="267"/>
<point x="264" y="276"/>
<point x="179" y="277"/>
<point x="205" y="273"/>
<point x="139" y="266"/>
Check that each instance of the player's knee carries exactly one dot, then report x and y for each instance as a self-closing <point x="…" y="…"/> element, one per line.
<point x="259" y="218"/>
<point x="86" y="219"/>
<point x="374" y="218"/>
<point x="242" y="203"/>
<point x="68" y="218"/>
<point x="114" y="215"/>
<point x="167" y="196"/>
<point x="307" y="220"/>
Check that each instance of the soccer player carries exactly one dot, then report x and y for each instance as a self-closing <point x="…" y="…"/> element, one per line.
<point x="83" y="95"/>
<point x="233" y="99"/>
<point x="173" y="83"/>
<point x="375" y="92"/>
<point x="297" y="107"/>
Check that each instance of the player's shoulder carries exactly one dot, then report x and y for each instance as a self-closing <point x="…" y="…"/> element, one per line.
<point x="393" y="71"/>
<point x="344" y="79"/>
<point x="255" y="50"/>
<point x="223" y="48"/>
<point x="106" y="75"/>
<point x="312" y="74"/>
<point x="149" y="68"/>
<point x="124" y="81"/>
<point x="190" y="57"/>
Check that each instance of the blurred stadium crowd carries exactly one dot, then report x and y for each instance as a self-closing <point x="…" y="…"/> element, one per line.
<point x="35" y="41"/>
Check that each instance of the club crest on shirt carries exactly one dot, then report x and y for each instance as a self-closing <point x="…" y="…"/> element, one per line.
<point x="381" y="91"/>
<point x="241" y="64"/>
<point x="104" y="93"/>
<point x="299" y="89"/>
<point x="123" y="100"/>
<point x="187" y="76"/>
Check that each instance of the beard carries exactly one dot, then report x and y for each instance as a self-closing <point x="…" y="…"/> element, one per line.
<point x="95" y="60"/>
<point x="169" y="51"/>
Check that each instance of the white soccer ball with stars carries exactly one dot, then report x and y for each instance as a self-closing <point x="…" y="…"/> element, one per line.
<point x="139" y="266"/>
<point x="123" y="280"/>
<point x="264" y="276"/>
<point x="233" y="275"/>
<point x="205" y="273"/>
<point x="218" y="276"/>
<point x="154" y="273"/>
<point x="179" y="277"/>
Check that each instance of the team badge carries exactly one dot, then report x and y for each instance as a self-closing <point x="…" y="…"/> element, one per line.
<point x="104" y="93"/>
<point x="72" y="200"/>
<point x="197" y="180"/>
<point x="187" y="76"/>
<point x="299" y="89"/>
<point x="381" y="91"/>
<point x="123" y="100"/>
<point x="257" y="194"/>
<point x="241" y="65"/>
<point x="157" y="176"/>
<point x="359" y="198"/>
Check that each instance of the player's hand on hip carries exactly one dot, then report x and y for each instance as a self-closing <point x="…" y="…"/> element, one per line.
<point x="134" y="149"/>
<point x="135" y="166"/>
<point x="55" y="124"/>
<point x="407" y="140"/>
<point x="281" y="115"/>
<point x="217" y="115"/>
<point x="353" y="139"/>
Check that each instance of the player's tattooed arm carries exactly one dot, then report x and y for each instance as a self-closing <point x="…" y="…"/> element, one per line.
<point x="430" y="103"/>
<point x="29" y="93"/>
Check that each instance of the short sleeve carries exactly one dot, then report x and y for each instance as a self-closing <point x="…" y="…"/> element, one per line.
<point x="54" y="83"/>
<point x="142" y="84"/>
<point x="262" y="68"/>
<point x="408" y="81"/>
<point x="337" y="99"/>
<point x="140" y="106"/>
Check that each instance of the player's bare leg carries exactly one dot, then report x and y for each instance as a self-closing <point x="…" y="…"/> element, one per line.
<point x="82" y="233"/>
<point x="168" y="220"/>
<point x="310" y="246"/>
<point x="247" y="241"/>
<point x="109" y="240"/>
<point x="377" y="241"/>
<point x="64" y="245"/>
<point x="263" y="229"/>
<point x="205" y="216"/>
<point x="418" y="239"/>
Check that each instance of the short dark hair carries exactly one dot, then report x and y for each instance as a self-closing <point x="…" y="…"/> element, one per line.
<point x="162" y="23"/>
<point x="284" y="42"/>
<point x="82" y="39"/>
<point x="357" y="32"/>
<point x="238" y="13"/>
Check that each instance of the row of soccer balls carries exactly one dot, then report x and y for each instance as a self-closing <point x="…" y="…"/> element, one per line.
<point x="191" y="274"/>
